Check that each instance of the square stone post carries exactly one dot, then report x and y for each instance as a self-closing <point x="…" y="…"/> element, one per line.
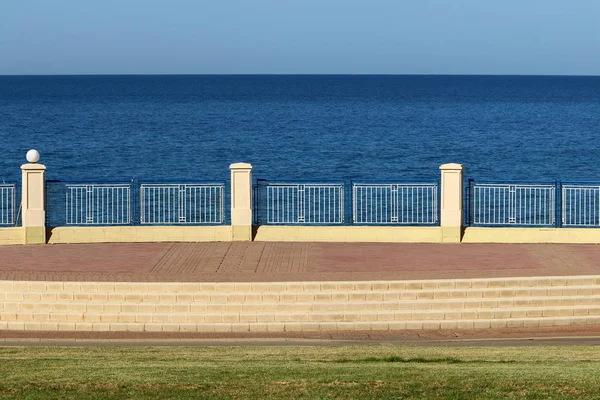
<point x="32" y="199"/>
<point x="451" y="213"/>
<point x="241" y="201"/>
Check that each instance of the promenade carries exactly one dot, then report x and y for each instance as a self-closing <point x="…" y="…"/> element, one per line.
<point x="292" y="261"/>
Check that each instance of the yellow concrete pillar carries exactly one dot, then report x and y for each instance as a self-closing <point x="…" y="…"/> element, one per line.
<point x="241" y="201"/>
<point x="451" y="213"/>
<point x="32" y="199"/>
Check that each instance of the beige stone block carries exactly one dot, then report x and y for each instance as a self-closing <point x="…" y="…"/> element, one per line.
<point x="531" y="323"/>
<point x="468" y="314"/>
<point x="116" y="297"/>
<point x="257" y="327"/>
<point x="174" y="327"/>
<point x="64" y="296"/>
<point x="276" y="327"/>
<point x="92" y="317"/>
<point x="133" y="297"/>
<point x="16" y="326"/>
<point x="218" y="297"/>
<point x="432" y="325"/>
<point x="425" y="295"/>
<point x="208" y="287"/>
<point x="43" y="307"/>
<point x="498" y="323"/>
<point x="515" y="323"/>
<point x="446" y="284"/>
<point x="481" y="324"/>
<point x="187" y="327"/>
<point x="414" y="325"/>
<point x="287" y="298"/>
<point x="178" y="318"/>
<point x="479" y="284"/>
<point x="247" y="318"/>
<point x="414" y="285"/>
<point x="233" y="307"/>
<point x="397" y="325"/>
<point x="227" y="287"/>
<point x="66" y="326"/>
<point x="362" y="326"/>
<point x="14" y="296"/>
<point x="32" y="326"/>
<point x="518" y="313"/>
<point x="99" y="297"/>
<point x="475" y="294"/>
<point x="240" y="327"/>
<point x="23" y="316"/>
<point x="465" y="324"/>
<point x="201" y="298"/>
<point x="12" y="306"/>
<point x="463" y="284"/>
<point x="126" y="318"/>
<point x="111" y="308"/>
<point x="203" y="327"/>
<point x="485" y="314"/>
<point x="393" y="306"/>
<point x="453" y="315"/>
<point x="448" y="324"/>
<point x="215" y="308"/>
<point x="534" y="313"/>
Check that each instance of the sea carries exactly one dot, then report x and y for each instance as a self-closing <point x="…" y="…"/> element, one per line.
<point x="302" y="126"/>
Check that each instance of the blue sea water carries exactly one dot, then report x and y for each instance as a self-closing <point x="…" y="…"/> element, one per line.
<point x="305" y="126"/>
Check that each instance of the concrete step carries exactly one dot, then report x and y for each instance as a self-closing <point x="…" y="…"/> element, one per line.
<point x="174" y="287"/>
<point x="294" y="297"/>
<point x="317" y="306"/>
<point x="267" y="317"/>
<point x="298" y="326"/>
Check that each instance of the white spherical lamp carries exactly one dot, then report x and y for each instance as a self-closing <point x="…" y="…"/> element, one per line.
<point x="33" y="156"/>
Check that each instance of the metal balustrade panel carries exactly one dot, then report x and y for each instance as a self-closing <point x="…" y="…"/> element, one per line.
<point x="97" y="204"/>
<point x="8" y="204"/>
<point x="519" y="204"/>
<point x="401" y="204"/>
<point x="580" y="205"/>
<point x="302" y="203"/>
<point x="172" y="204"/>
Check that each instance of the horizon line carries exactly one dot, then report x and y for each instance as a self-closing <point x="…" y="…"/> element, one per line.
<point x="295" y="74"/>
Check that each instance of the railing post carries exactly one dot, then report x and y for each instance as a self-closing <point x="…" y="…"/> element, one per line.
<point x="451" y="213"/>
<point x="241" y="201"/>
<point x="33" y="199"/>
<point x="558" y="214"/>
<point x="348" y="217"/>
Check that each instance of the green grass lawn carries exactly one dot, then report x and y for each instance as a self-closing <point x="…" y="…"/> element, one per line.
<point x="365" y="372"/>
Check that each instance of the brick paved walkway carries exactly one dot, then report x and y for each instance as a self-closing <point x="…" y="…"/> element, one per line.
<point x="256" y="261"/>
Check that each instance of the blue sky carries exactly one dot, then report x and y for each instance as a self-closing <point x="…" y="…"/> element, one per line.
<point x="300" y="37"/>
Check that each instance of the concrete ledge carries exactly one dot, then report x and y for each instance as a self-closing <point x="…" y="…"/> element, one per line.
<point x="10" y="236"/>
<point x="531" y="235"/>
<point x="126" y="234"/>
<point x="389" y="234"/>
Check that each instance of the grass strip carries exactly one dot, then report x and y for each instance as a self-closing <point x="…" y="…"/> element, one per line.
<point x="362" y="372"/>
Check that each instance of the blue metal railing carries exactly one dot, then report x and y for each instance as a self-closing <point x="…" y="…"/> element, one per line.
<point x="400" y="203"/>
<point x="299" y="202"/>
<point x="293" y="202"/>
<point x="541" y="203"/>
<point x="8" y="204"/>
<point x="580" y="204"/>
<point x="512" y="203"/>
<point x="132" y="202"/>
